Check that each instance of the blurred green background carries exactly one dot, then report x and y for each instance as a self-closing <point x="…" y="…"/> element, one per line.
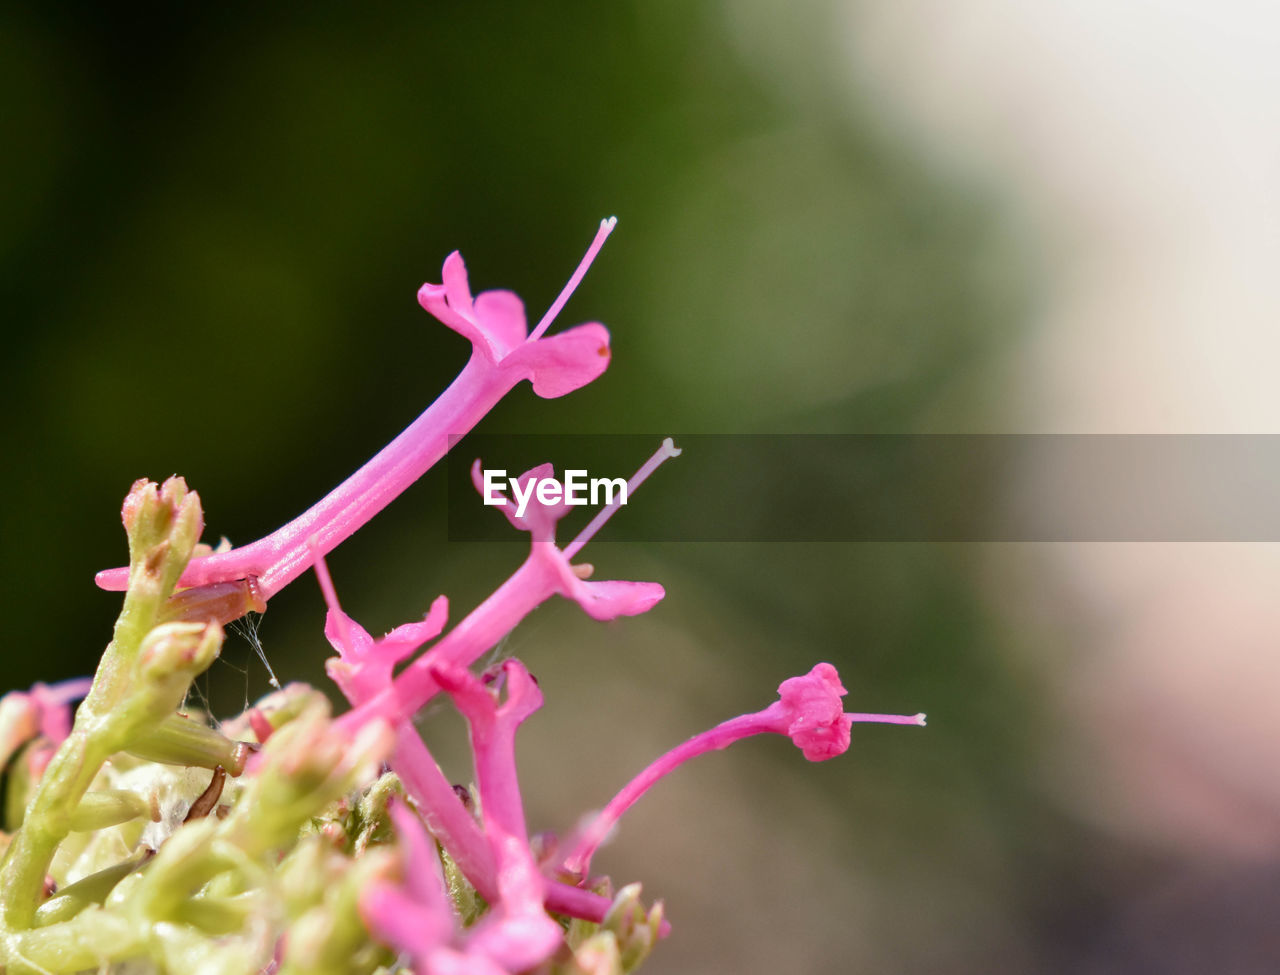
<point x="212" y="227"/>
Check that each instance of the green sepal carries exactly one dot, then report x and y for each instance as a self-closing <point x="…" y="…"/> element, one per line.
<point x="86" y="892"/>
<point x="106" y="808"/>
<point x="180" y="740"/>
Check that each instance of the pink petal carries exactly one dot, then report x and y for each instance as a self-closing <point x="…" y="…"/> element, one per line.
<point x="349" y="638"/>
<point x="396" y="919"/>
<point x="516" y="942"/>
<point x="609" y="600"/>
<point x="456" y="286"/>
<point x="408" y="637"/>
<point x="814" y="713"/>
<point x="423" y="877"/>
<point x="562" y="363"/>
<point x="539" y="519"/>
<point x="54" y="704"/>
<point x="820" y="742"/>
<point x="449" y="962"/>
<point x="524" y="696"/>
<point x="605" y="600"/>
<point x="451" y="304"/>
<point x="501" y="315"/>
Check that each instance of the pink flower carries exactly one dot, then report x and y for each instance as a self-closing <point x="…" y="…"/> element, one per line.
<point x="363" y="668"/>
<point x="417" y="915"/>
<point x="44" y="710"/>
<point x="501" y="357"/>
<point x="365" y="665"/>
<point x="814" y="717"/>
<point x="547" y="571"/>
<point x="600" y="600"/>
<point x="517" y="933"/>
<point x="53" y="705"/>
<point x="809" y="712"/>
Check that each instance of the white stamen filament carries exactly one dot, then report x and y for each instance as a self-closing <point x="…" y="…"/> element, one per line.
<point x="668" y="449"/>
<point x="606" y="227"/>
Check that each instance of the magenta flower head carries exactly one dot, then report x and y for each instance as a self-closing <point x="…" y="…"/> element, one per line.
<point x="305" y="816"/>
<point x="494" y="323"/>
<point x="814" y="713"/>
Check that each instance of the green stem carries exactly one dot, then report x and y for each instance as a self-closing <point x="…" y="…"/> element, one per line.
<point x="133" y="690"/>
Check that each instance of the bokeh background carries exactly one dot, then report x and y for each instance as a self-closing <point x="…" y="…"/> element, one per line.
<point x="834" y="217"/>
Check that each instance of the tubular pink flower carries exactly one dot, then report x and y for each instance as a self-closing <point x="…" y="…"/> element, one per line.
<point x="545" y="572"/>
<point x="518" y="933"/>
<point x="501" y="357"/>
<point x="808" y="711"/>
<point x="364" y="667"/>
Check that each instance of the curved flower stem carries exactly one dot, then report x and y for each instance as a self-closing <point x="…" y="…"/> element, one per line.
<point x="774" y="718"/>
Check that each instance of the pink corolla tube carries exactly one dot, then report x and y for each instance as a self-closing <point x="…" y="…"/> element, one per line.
<point x="808" y="711"/>
<point x="502" y="355"/>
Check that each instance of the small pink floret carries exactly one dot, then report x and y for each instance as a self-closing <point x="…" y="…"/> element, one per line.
<point x="815" y="716"/>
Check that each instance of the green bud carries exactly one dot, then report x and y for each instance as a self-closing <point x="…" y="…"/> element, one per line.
<point x="163" y="523"/>
<point x="598" y="955"/>
<point x="219" y="915"/>
<point x="90" y="890"/>
<point x="19" y="786"/>
<point x="326" y="939"/>
<point x="306" y="766"/>
<point x="172" y="655"/>
<point x="636" y="929"/>
<point x="108" y="807"/>
<point x="180" y="740"/>
<point x="370" y="821"/>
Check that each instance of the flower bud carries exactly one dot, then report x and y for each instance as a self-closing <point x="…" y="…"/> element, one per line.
<point x="163" y="523"/>
<point x="171" y="656"/>
<point x="180" y="740"/>
<point x="108" y="807"/>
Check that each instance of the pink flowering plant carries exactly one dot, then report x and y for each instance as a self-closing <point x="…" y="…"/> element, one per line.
<point x="144" y="836"/>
